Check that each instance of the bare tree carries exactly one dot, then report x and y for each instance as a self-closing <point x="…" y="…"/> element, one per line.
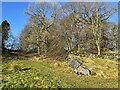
<point x="95" y="14"/>
<point x="43" y="15"/>
<point x="54" y="28"/>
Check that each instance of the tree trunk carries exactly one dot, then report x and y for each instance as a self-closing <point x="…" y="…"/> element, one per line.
<point x="98" y="50"/>
<point x="38" y="49"/>
<point x="78" y="47"/>
<point x="115" y="41"/>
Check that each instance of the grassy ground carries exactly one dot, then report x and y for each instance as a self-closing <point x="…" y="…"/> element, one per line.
<point x="46" y="73"/>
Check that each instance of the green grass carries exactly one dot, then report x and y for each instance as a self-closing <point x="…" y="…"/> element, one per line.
<point x="45" y="73"/>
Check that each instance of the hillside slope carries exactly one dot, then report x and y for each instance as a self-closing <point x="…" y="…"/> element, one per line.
<point x="46" y="73"/>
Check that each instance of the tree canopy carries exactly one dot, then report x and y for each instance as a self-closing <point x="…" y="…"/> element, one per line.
<point x="55" y="29"/>
<point x="5" y="31"/>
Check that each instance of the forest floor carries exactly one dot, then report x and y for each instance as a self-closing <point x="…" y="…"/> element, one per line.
<point x="37" y="72"/>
